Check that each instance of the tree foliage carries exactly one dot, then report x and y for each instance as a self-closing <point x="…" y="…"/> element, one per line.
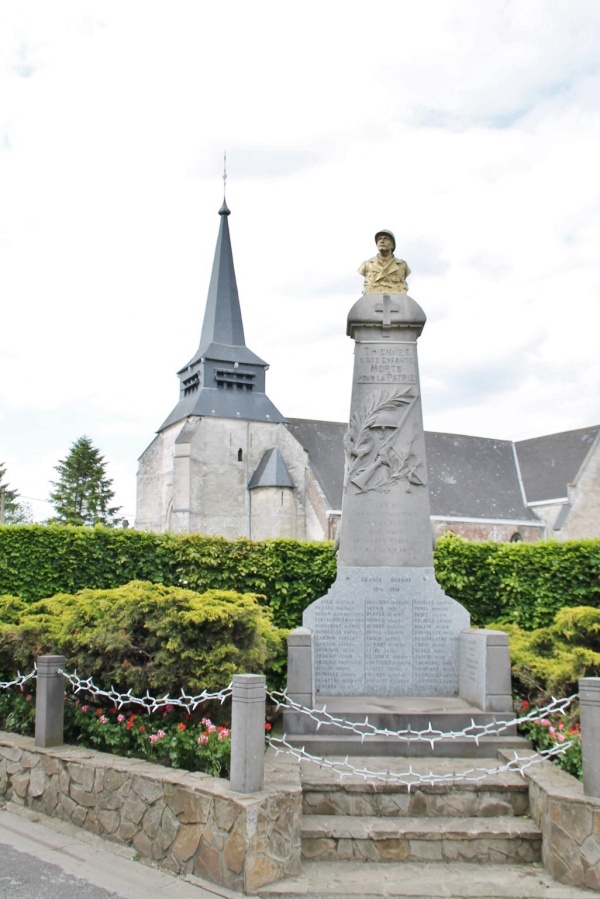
<point x="83" y="494"/>
<point x="12" y="511"/>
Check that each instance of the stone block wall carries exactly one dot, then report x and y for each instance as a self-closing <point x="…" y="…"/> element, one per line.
<point x="188" y="822"/>
<point x="570" y="824"/>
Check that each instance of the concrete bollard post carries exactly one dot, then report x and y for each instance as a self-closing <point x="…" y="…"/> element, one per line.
<point x="248" y="733"/>
<point x="589" y="713"/>
<point x="300" y="679"/>
<point x="50" y="702"/>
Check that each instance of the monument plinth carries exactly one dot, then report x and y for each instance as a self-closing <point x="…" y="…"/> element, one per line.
<point x="386" y="641"/>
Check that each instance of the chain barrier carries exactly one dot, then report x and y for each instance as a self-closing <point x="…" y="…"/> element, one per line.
<point x="19" y="680"/>
<point x="412" y="778"/>
<point x="149" y="703"/>
<point x="430" y="735"/>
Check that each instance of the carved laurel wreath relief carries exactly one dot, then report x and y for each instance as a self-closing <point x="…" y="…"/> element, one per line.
<point x="379" y="444"/>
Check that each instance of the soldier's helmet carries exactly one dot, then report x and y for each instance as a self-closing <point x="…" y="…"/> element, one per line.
<point x="389" y="234"/>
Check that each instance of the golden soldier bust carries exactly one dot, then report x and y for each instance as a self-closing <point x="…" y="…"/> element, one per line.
<point x="384" y="273"/>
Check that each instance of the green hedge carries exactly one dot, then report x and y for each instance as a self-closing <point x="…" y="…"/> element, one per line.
<point x="523" y="583"/>
<point x="37" y="562"/>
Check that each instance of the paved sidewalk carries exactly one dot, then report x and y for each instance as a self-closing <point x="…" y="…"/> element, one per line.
<point x="45" y="858"/>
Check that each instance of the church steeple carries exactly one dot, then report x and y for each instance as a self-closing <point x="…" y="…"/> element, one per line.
<point x="224" y="378"/>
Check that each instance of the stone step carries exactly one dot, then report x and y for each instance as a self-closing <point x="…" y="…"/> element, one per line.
<point x="462" y="792"/>
<point x="421" y="802"/>
<point x="322" y="745"/>
<point x="420" y="880"/>
<point x="445" y="714"/>
<point x="499" y="840"/>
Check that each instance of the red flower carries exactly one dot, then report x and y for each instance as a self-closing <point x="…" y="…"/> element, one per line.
<point x="268" y="726"/>
<point x="181" y="726"/>
<point x="525" y="705"/>
<point x="142" y="729"/>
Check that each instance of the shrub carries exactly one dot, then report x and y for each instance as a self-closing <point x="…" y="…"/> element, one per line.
<point x="550" y="660"/>
<point x="144" y="636"/>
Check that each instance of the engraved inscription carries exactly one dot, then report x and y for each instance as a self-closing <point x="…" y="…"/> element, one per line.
<point x="385" y="364"/>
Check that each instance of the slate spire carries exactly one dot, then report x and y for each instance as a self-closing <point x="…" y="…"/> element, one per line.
<point x="224" y="378"/>
<point x="223" y="316"/>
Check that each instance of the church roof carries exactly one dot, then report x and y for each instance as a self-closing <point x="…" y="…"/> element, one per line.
<point x="271" y="471"/>
<point x="469" y="477"/>
<point x="549" y="463"/>
<point x="224" y="378"/>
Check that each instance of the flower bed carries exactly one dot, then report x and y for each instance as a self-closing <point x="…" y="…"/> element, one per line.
<point x="555" y="732"/>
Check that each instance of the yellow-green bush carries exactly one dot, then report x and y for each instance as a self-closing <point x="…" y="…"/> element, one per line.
<point x="549" y="661"/>
<point x="144" y="636"/>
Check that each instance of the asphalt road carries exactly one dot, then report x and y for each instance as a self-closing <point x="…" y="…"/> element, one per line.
<point x="43" y="858"/>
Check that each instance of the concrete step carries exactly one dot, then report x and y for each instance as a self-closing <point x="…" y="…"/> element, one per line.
<point x="499" y="840"/>
<point x="421" y="880"/>
<point x="446" y="714"/>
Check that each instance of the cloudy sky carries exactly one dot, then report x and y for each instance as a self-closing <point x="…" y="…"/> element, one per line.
<point x="470" y="128"/>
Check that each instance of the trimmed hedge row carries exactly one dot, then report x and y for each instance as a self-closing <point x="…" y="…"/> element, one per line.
<point x="524" y="583"/>
<point x="38" y="561"/>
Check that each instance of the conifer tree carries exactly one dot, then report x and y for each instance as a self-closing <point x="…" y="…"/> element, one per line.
<point x="11" y="510"/>
<point x="83" y="494"/>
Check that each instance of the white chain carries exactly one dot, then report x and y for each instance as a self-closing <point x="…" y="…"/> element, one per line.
<point x="364" y="729"/>
<point x="412" y="778"/>
<point x="150" y="703"/>
<point x="19" y="680"/>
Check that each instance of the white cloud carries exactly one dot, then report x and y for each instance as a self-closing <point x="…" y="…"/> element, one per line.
<point x="471" y="129"/>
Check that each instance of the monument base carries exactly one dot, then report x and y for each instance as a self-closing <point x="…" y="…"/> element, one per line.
<point x="388" y="646"/>
<point x="386" y="632"/>
<point x="453" y="717"/>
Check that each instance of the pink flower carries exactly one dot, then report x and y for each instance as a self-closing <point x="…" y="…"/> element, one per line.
<point x="120" y="718"/>
<point x="85" y="708"/>
<point x="545" y="722"/>
<point x="203" y="739"/>
<point x="211" y="729"/>
<point x="206" y="722"/>
<point x="551" y="731"/>
<point x="103" y="719"/>
<point x="561" y="738"/>
<point x="561" y="725"/>
<point x="159" y="735"/>
<point x="223" y="734"/>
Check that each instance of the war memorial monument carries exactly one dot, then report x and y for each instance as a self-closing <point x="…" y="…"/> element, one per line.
<point x="386" y="642"/>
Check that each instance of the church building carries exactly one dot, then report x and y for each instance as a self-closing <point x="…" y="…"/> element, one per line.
<point x="227" y="462"/>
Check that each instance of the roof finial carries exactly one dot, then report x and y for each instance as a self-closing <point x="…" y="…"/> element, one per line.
<point x="224" y="210"/>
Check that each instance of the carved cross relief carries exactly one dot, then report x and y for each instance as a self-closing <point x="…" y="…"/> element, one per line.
<point x="386" y="308"/>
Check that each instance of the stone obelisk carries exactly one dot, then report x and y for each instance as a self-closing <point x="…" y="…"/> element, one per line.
<point x="385" y="628"/>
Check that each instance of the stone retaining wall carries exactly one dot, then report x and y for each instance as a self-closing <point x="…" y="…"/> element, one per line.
<point x="187" y="822"/>
<point x="570" y="824"/>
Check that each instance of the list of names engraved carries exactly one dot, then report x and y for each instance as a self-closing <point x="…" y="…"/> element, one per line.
<point x="385" y="363"/>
